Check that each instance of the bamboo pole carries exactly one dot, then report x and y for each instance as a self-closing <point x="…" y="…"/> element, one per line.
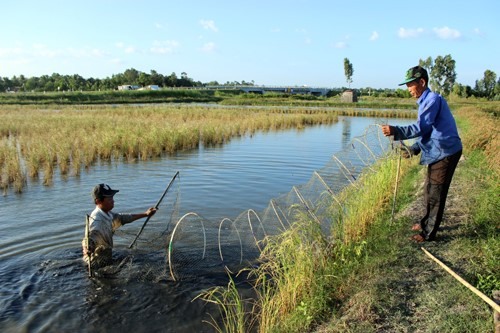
<point x="87" y="234"/>
<point x="496" y="314"/>
<point x="396" y="187"/>
<point x="485" y="298"/>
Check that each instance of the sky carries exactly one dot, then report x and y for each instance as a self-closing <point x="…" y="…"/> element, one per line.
<point x="271" y="42"/>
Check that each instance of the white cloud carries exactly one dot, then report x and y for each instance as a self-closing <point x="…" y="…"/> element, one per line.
<point x="374" y="36"/>
<point x="41" y="50"/>
<point x="341" y="45"/>
<point x="11" y="51"/>
<point x="410" y="33"/>
<point x="129" y="49"/>
<point x="447" y="33"/>
<point x="478" y="32"/>
<point x="126" y="48"/>
<point x="209" y="25"/>
<point x="208" y="47"/>
<point x="165" y="47"/>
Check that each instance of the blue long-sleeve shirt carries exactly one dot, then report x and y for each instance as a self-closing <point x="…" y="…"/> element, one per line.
<point x="435" y="128"/>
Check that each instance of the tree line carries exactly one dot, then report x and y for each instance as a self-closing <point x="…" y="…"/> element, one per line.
<point x="58" y="82"/>
<point x="442" y="77"/>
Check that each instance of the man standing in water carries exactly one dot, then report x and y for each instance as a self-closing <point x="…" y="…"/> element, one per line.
<point x="103" y="223"/>
<point x="439" y="143"/>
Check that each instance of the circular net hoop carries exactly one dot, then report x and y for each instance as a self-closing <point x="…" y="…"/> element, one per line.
<point x="198" y="244"/>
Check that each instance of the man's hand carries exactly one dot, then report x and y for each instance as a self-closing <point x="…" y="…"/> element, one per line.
<point x="87" y="251"/>
<point x="387" y="130"/>
<point x="150" y="212"/>
<point x="405" y="152"/>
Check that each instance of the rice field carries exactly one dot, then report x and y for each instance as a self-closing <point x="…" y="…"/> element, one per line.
<point x="36" y="141"/>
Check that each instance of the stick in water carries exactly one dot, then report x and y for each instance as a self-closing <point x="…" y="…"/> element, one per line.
<point x="156" y="207"/>
<point x="87" y="234"/>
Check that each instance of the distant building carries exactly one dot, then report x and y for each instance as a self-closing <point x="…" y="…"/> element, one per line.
<point x="128" y="87"/>
<point x="349" y="96"/>
<point x="150" y="87"/>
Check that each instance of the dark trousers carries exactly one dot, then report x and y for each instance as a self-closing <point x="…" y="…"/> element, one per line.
<point x="437" y="184"/>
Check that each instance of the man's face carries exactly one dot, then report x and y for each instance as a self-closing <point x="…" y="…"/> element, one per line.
<point x="416" y="88"/>
<point x="106" y="204"/>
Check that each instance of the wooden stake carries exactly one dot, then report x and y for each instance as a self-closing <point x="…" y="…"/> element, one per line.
<point x="87" y="234"/>
<point x="396" y="188"/>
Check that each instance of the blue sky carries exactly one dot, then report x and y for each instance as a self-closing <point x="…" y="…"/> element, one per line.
<point x="294" y="42"/>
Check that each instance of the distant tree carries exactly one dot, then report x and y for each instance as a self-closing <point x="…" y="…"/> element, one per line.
<point x="144" y="79"/>
<point x="402" y="93"/>
<point x="131" y="75"/>
<point x="171" y="80"/>
<point x="156" y="78"/>
<point x="185" y="81"/>
<point x="497" y="90"/>
<point x="489" y="83"/>
<point x="427" y="64"/>
<point x="348" y="71"/>
<point x="443" y="75"/>
<point x="76" y="82"/>
<point x="460" y="90"/>
<point x="31" y="84"/>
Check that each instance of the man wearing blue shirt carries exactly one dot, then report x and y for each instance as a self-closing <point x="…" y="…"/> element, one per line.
<point x="439" y="144"/>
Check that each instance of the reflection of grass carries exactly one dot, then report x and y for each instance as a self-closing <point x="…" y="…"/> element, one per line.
<point x="71" y="137"/>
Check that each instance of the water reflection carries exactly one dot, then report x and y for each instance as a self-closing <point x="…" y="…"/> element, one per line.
<point x="346" y="131"/>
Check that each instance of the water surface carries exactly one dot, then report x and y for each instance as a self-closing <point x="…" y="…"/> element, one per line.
<point x="43" y="283"/>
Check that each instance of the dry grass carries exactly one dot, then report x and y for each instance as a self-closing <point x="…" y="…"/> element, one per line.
<point x="37" y="140"/>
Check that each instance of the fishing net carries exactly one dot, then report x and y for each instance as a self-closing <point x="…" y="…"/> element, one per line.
<point x="189" y="246"/>
<point x="199" y="245"/>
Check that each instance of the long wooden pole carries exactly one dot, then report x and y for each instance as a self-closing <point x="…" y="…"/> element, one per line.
<point x="156" y="206"/>
<point x="87" y="234"/>
<point x="396" y="188"/>
<point x="485" y="298"/>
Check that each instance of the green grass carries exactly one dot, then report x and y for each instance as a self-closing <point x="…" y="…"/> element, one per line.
<point x="111" y="97"/>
